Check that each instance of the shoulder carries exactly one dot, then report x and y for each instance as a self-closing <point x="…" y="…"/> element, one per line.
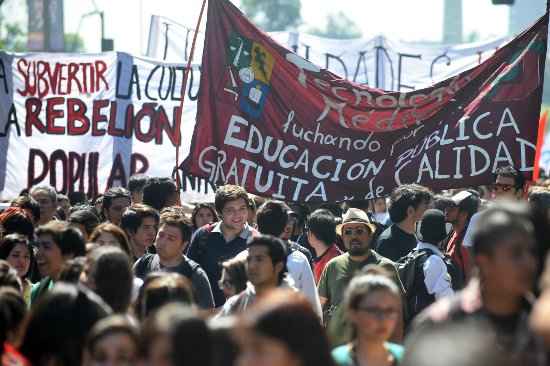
<point x="338" y="261"/>
<point x="396" y="350"/>
<point x="381" y="260"/>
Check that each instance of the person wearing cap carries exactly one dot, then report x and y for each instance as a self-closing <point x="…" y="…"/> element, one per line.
<point x="464" y="205"/>
<point x="436" y="276"/>
<point x="356" y="230"/>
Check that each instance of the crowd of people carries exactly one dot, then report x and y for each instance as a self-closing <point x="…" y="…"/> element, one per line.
<point x="136" y="277"/>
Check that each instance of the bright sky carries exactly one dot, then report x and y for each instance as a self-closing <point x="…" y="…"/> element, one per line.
<point x="127" y="21"/>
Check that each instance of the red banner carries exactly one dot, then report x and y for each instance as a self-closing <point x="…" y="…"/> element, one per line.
<point x="282" y="127"/>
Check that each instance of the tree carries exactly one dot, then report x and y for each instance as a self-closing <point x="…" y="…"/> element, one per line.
<point x="74" y="43"/>
<point x="339" y="26"/>
<point x="13" y="38"/>
<point x="273" y="15"/>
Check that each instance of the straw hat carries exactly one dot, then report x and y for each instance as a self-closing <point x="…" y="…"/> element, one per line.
<point x="355" y="216"/>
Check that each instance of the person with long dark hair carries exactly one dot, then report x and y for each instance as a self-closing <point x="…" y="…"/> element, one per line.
<point x="282" y="329"/>
<point x="372" y="304"/>
<point x="18" y="252"/>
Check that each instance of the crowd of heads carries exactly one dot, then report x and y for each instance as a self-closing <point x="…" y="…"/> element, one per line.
<point x="136" y="277"/>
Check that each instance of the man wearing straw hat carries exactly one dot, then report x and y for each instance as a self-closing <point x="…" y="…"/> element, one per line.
<point x="356" y="230"/>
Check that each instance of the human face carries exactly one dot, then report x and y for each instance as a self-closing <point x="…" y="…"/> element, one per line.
<point x="235" y="214"/>
<point x="226" y="285"/>
<point x="169" y="243"/>
<point x="376" y="315"/>
<point x="510" y="269"/>
<point x="260" y="350"/>
<point x="204" y="216"/>
<point x="145" y="235"/>
<point x="451" y="214"/>
<point x="20" y="259"/>
<point x="116" y="349"/>
<point x="49" y="257"/>
<point x="114" y="213"/>
<point x="504" y="188"/>
<point x="47" y="206"/>
<point x="106" y="238"/>
<point x="289" y="228"/>
<point x="356" y="237"/>
<point x="260" y="268"/>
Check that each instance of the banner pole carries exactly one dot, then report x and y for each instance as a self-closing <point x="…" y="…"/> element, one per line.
<point x="183" y="89"/>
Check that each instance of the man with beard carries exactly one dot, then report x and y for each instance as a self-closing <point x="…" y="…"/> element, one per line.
<point x="356" y="231"/>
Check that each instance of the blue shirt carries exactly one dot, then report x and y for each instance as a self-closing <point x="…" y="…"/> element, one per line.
<point x="343" y="355"/>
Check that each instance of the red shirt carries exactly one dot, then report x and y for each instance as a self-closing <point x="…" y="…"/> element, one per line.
<point x="322" y="260"/>
<point x="459" y="254"/>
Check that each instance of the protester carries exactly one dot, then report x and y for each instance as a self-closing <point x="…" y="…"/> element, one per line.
<point x="16" y="220"/>
<point x="18" y="252"/>
<point x="63" y="209"/>
<point x="161" y="343"/>
<point x="234" y="277"/>
<point x="356" y="230"/>
<point x="213" y="244"/>
<point x="140" y="223"/>
<point x="108" y="272"/>
<point x="110" y="234"/>
<point x="9" y="277"/>
<point x="266" y="270"/>
<point x="251" y="211"/>
<point x="85" y="219"/>
<point x="504" y="254"/>
<point x="372" y="304"/>
<point x="203" y="213"/>
<point x="136" y="184"/>
<point x="57" y="242"/>
<point x="380" y="210"/>
<point x="13" y="310"/>
<point x="172" y="238"/>
<point x="407" y="205"/>
<point x="58" y="324"/>
<point x="47" y="200"/>
<point x="159" y="193"/>
<point x="464" y="205"/>
<point x="72" y="270"/>
<point x="115" y="200"/>
<point x="112" y="341"/>
<point x="509" y="184"/>
<point x="272" y="216"/>
<point x="431" y="278"/>
<point x="321" y="235"/>
<point x="283" y="329"/>
<point x="225" y="348"/>
<point x="160" y="289"/>
<point x="29" y="204"/>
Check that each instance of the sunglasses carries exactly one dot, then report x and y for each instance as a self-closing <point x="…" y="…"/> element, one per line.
<point x="502" y="187"/>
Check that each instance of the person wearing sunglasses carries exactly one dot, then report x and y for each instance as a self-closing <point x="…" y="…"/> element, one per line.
<point x="372" y="305"/>
<point x="356" y="231"/>
<point x="508" y="184"/>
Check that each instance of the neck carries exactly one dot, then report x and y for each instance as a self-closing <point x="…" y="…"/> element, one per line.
<point x="359" y="258"/>
<point x="319" y="248"/>
<point x="265" y="287"/>
<point x="499" y="303"/>
<point x="229" y="233"/>
<point x="407" y="226"/>
<point x="171" y="262"/>
<point x="459" y="226"/>
<point x="372" y="352"/>
<point x="139" y="250"/>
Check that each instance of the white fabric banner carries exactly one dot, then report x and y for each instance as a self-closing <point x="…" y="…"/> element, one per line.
<point x="87" y="122"/>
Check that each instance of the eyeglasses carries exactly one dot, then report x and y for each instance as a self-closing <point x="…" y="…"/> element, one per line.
<point x="358" y="231"/>
<point x="502" y="187"/>
<point x="225" y="284"/>
<point x="380" y="313"/>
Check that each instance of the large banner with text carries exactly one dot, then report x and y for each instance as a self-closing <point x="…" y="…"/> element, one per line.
<point x="283" y="127"/>
<point x="87" y="122"/>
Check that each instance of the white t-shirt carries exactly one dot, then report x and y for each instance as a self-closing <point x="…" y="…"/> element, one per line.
<point x="469" y="236"/>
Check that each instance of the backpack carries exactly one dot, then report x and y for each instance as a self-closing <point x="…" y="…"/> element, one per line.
<point x="416" y="295"/>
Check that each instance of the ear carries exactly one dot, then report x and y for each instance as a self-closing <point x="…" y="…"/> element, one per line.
<point x="279" y="267"/>
<point x="410" y="211"/>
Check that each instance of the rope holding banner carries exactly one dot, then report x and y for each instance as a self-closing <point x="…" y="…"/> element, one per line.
<point x="183" y="89"/>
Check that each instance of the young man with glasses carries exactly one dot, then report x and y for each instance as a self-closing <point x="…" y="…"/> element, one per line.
<point x="356" y="231"/>
<point x="211" y="245"/>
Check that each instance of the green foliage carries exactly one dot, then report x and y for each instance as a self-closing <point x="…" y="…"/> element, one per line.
<point x="339" y="26"/>
<point x="13" y="38"/>
<point x="74" y="43"/>
<point x="273" y="15"/>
